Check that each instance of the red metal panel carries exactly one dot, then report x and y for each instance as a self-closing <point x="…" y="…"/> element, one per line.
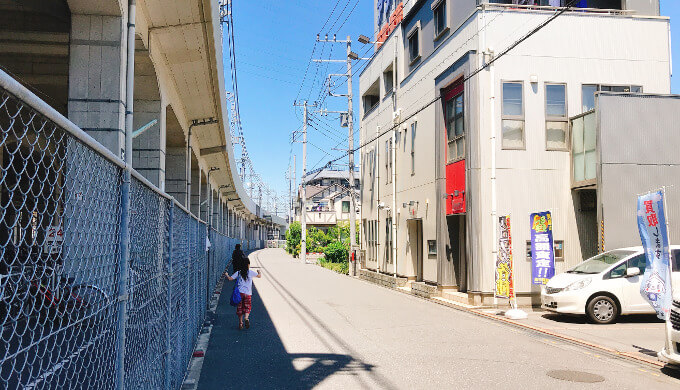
<point x="455" y="187"/>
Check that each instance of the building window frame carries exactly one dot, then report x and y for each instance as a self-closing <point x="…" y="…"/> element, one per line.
<point x="455" y="96"/>
<point x="439" y="9"/>
<point x="632" y="88"/>
<point x="414" y="129"/>
<point x="513" y="118"/>
<point x="414" y="35"/>
<point x="388" y="78"/>
<point x="562" y="119"/>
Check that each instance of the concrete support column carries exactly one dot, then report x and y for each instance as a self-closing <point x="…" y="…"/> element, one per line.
<point x="97" y="78"/>
<point x="175" y="176"/>
<point x="148" y="148"/>
<point x="196" y="191"/>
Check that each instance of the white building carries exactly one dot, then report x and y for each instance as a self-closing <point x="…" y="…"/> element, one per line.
<point x="461" y="143"/>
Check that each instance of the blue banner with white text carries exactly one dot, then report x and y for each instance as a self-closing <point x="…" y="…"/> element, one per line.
<point x="542" y="252"/>
<point x="655" y="286"/>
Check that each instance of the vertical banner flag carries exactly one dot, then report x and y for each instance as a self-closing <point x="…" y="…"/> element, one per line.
<point x="655" y="286"/>
<point x="505" y="286"/>
<point x="542" y="253"/>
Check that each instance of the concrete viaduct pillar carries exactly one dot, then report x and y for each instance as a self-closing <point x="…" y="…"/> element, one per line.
<point x="96" y="94"/>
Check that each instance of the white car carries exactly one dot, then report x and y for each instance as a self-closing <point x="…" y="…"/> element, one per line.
<point x="604" y="286"/>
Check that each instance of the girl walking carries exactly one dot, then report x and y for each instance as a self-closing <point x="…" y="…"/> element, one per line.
<point x="245" y="287"/>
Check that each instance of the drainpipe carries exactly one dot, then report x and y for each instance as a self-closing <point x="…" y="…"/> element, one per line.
<point x="394" y="166"/>
<point x="124" y="260"/>
<point x="377" y="199"/>
<point x="187" y="200"/>
<point x="492" y="127"/>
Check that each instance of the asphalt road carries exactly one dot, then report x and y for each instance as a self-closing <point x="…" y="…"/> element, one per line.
<point x="314" y="328"/>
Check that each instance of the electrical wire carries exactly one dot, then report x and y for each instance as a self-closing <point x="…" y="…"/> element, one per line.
<point x="462" y="80"/>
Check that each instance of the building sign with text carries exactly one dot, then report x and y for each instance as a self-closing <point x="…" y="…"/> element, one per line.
<point x="542" y="252"/>
<point x="505" y="287"/>
<point x="655" y="286"/>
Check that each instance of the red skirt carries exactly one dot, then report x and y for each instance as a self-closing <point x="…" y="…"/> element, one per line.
<point x="245" y="305"/>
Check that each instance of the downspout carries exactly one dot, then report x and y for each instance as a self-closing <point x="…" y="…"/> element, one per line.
<point x="492" y="128"/>
<point x="394" y="164"/>
<point x="377" y="199"/>
<point x="187" y="201"/>
<point x="124" y="260"/>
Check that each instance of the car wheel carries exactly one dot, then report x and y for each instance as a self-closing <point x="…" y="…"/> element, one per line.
<point x="602" y="310"/>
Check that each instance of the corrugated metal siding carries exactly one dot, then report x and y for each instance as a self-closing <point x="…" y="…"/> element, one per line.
<point x="639" y="139"/>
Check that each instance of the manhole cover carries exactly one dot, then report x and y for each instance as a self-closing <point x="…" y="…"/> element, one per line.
<point x="575" y="376"/>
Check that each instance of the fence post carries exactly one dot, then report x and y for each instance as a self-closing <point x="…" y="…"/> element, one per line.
<point x="125" y="201"/>
<point x="170" y="316"/>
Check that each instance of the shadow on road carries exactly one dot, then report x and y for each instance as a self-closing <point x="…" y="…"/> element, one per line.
<point x="627" y="319"/>
<point x="256" y="357"/>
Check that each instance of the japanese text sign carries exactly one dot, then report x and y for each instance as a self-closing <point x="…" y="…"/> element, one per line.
<point x="542" y="254"/>
<point x="505" y="287"/>
<point x="655" y="286"/>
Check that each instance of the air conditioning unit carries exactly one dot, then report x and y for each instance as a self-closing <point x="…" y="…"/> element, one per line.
<point x="396" y="116"/>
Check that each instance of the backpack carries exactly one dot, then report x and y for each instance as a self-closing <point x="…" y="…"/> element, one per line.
<point x="235" y="295"/>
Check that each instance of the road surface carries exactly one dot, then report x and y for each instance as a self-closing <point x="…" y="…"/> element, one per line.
<point x="312" y="328"/>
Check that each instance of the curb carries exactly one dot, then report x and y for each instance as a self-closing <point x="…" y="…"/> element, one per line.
<point x="193" y="373"/>
<point x="572" y="340"/>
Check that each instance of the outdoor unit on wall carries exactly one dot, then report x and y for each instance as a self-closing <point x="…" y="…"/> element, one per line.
<point x="396" y="116"/>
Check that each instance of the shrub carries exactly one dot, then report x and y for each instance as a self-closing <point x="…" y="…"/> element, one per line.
<point x="336" y="252"/>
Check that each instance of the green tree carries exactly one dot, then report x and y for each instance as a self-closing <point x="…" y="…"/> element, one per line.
<point x="317" y="240"/>
<point x="293" y="237"/>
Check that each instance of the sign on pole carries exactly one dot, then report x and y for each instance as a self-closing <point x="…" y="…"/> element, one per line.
<point x="655" y="286"/>
<point x="542" y="251"/>
<point x="505" y="284"/>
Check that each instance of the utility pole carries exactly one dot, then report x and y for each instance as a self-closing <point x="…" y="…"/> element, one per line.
<point x="303" y="240"/>
<point x="350" y="129"/>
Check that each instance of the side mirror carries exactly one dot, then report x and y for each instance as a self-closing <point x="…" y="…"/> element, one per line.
<point x="632" y="271"/>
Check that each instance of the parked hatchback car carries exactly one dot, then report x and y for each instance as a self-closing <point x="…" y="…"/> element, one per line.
<point x="604" y="286"/>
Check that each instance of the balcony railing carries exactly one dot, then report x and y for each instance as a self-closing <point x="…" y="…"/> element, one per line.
<point x="501" y="5"/>
<point x="583" y="150"/>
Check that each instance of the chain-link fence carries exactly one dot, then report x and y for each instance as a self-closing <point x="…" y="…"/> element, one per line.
<point x="76" y="310"/>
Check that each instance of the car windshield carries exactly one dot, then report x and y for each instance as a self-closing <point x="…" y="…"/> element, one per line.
<point x="599" y="263"/>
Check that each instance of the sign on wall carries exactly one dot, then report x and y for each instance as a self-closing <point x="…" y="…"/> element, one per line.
<point x="542" y="255"/>
<point x="655" y="286"/>
<point x="505" y="285"/>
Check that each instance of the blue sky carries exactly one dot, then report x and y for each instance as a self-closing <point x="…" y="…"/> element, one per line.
<point x="274" y="42"/>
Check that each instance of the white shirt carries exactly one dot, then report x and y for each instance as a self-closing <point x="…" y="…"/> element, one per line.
<point x="245" y="286"/>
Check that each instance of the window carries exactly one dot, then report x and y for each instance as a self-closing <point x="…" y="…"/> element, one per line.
<point x="431" y="247"/>
<point x="556" y="123"/>
<point x="455" y="128"/>
<point x="513" y="115"/>
<point x="345" y="206"/>
<point x="388" y="240"/>
<point x="388" y="80"/>
<point x="639" y="261"/>
<point x="588" y="93"/>
<point x="414" y="126"/>
<point x="439" y="11"/>
<point x="371" y="97"/>
<point x="414" y="44"/>
<point x="388" y="161"/>
<point x="558" y="246"/>
<point x="618" y="272"/>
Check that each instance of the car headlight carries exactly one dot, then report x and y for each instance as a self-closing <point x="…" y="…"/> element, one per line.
<point x="578" y="285"/>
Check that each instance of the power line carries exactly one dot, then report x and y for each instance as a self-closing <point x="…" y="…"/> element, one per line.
<point x="462" y="80"/>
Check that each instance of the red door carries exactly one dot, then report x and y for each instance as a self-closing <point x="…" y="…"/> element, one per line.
<point x="454" y="134"/>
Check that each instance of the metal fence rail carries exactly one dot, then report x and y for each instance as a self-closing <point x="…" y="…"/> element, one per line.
<point x="60" y="262"/>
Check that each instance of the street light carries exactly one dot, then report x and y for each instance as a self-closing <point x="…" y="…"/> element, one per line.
<point x="364" y="39"/>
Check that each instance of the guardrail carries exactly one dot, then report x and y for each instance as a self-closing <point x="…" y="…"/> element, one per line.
<point x="67" y="320"/>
